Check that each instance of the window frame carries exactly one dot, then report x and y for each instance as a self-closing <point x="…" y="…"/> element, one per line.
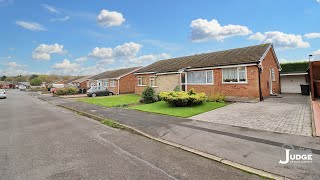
<point x="107" y="83"/>
<point x="211" y="83"/>
<point x="239" y="82"/>
<point x="273" y="75"/>
<point x="154" y="80"/>
<point x="141" y="77"/>
<point x="112" y="83"/>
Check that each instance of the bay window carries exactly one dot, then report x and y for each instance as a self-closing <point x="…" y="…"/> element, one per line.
<point x="200" y="77"/>
<point x="234" y="75"/>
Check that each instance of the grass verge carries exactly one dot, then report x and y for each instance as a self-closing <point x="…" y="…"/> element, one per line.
<point x="111" y="123"/>
<point x="112" y="101"/>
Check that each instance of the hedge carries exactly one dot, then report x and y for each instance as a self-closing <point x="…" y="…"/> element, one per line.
<point x="67" y="91"/>
<point x="182" y="98"/>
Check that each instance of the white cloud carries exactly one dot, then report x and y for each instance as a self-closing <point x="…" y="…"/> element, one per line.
<point x="203" y="29"/>
<point x="280" y="39"/>
<point x="81" y="59"/>
<point x="44" y="51"/>
<point x="50" y="8"/>
<point x="110" y="18"/>
<point x="12" y="69"/>
<point x="107" y="55"/>
<point x="66" y="64"/>
<point x="60" y="19"/>
<point x="12" y="64"/>
<point x="318" y="1"/>
<point x="33" y="26"/>
<point x="312" y="35"/>
<point x="317" y="52"/>
<point x="147" y="59"/>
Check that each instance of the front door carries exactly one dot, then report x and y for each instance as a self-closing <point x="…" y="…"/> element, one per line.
<point x="270" y="82"/>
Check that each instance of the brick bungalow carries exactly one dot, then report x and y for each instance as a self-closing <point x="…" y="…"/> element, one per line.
<point x="246" y="73"/>
<point x="120" y="81"/>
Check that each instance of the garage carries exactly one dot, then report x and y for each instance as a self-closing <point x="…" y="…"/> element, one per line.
<point x="290" y="83"/>
<point x="293" y="75"/>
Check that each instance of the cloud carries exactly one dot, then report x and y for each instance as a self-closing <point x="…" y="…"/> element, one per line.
<point x="312" y="35"/>
<point x="81" y="59"/>
<point x="33" y="26"/>
<point x="280" y="39"/>
<point x="66" y="64"/>
<point x="50" y="8"/>
<point x="317" y="52"/>
<point x="12" y="69"/>
<point x="147" y="59"/>
<point x="202" y="30"/>
<point x="13" y="64"/>
<point x="318" y="1"/>
<point x="44" y="51"/>
<point x="66" y="18"/>
<point x="110" y="18"/>
<point x="125" y="51"/>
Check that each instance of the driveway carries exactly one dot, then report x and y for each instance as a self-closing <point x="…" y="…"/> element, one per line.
<point x="290" y="114"/>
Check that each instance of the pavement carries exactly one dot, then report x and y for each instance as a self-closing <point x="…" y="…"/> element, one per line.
<point x="290" y="114"/>
<point x="253" y="148"/>
<point x="39" y="140"/>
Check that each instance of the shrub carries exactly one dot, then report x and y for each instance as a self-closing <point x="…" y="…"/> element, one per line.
<point x="182" y="98"/>
<point x="177" y="88"/>
<point x="36" y="82"/>
<point x="67" y="91"/>
<point x="148" y="95"/>
<point x="218" y="97"/>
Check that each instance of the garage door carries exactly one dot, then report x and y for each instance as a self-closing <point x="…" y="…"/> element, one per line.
<point x="291" y="83"/>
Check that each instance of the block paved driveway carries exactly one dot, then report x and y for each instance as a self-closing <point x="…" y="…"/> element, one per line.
<point x="290" y="114"/>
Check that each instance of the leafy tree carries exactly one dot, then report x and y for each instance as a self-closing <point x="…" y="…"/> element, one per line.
<point x="36" y="82"/>
<point x="33" y="76"/>
<point x="3" y="78"/>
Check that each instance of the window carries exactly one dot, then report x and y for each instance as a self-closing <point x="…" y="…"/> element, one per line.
<point x="153" y="81"/>
<point x="273" y="75"/>
<point x="234" y="75"/>
<point x="200" y="77"/>
<point x="141" y="81"/>
<point x="105" y="83"/>
<point x="112" y="83"/>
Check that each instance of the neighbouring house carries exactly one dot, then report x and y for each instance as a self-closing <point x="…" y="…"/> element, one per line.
<point x="120" y="81"/>
<point x="82" y="83"/>
<point x="23" y="85"/>
<point x="4" y="85"/>
<point x="315" y="81"/>
<point x="293" y="75"/>
<point x="242" y="73"/>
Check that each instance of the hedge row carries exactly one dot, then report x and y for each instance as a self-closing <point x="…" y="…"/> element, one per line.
<point x="181" y="98"/>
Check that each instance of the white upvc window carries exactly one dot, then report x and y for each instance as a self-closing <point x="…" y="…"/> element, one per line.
<point x="200" y="77"/>
<point x="141" y="81"/>
<point x="153" y="81"/>
<point x="234" y="75"/>
<point x="105" y="83"/>
<point x="273" y="76"/>
<point x="112" y="83"/>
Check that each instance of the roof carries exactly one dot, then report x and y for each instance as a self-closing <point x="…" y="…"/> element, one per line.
<point x="114" y="73"/>
<point x="245" y="55"/>
<point x="296" y="67"/>
<point x="80" y="80"/>
<point x="24" y="83"/>
<point x="73" y="79"/>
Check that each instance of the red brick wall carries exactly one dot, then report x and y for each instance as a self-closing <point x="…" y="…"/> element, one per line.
<point x="268" y="63"/>
<point x="84" y="84"/>
<point x="127" y="84"/>
<point x="250" y="89"/>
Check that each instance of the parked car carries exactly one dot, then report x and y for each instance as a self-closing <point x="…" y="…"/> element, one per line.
<point x="3" y="93"/>
<point x="99" y="91"/>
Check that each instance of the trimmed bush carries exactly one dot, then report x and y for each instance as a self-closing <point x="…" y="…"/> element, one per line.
<point x="148" y="95"/>
<point x="177" y="88"/>
<point x="218" y="97"/>
<point x="67" y="91"/>
<point x="181" y="98"/>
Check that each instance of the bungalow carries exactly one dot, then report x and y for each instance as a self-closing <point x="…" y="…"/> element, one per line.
<point x="293" y="75"/>
<point x="120" y="81"/>
<point x="82" y="83"/>
<point x="245" y="73"/>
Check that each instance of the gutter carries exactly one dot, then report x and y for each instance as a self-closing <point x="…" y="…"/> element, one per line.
<point x="259" y="76"/>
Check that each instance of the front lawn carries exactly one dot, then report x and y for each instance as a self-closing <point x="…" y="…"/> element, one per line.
<point x="162" y="107"/>
<point x="112" y="101"/>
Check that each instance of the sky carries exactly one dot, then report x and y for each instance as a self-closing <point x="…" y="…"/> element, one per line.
<point x="82" y="37"/>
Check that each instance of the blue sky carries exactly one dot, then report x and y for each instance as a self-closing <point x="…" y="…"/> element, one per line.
<point x="86" y="37"/>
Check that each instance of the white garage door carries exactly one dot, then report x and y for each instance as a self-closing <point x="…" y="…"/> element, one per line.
<point x="291" y="84"/>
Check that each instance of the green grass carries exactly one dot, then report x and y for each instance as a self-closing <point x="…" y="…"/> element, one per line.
<point x="111" y="123"/>
<point x="112" y="101"/>
<point x="162" y="107"/>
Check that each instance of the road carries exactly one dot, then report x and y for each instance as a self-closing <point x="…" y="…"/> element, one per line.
<point x="41" y="141"/>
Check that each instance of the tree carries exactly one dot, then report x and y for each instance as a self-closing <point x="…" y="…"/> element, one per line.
<point x="3" y="78"/>
<point x="36" y="82"/>
<point x="33" y="76"/>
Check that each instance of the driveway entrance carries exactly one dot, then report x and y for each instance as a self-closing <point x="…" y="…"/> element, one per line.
<point x="290" y="114"/>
